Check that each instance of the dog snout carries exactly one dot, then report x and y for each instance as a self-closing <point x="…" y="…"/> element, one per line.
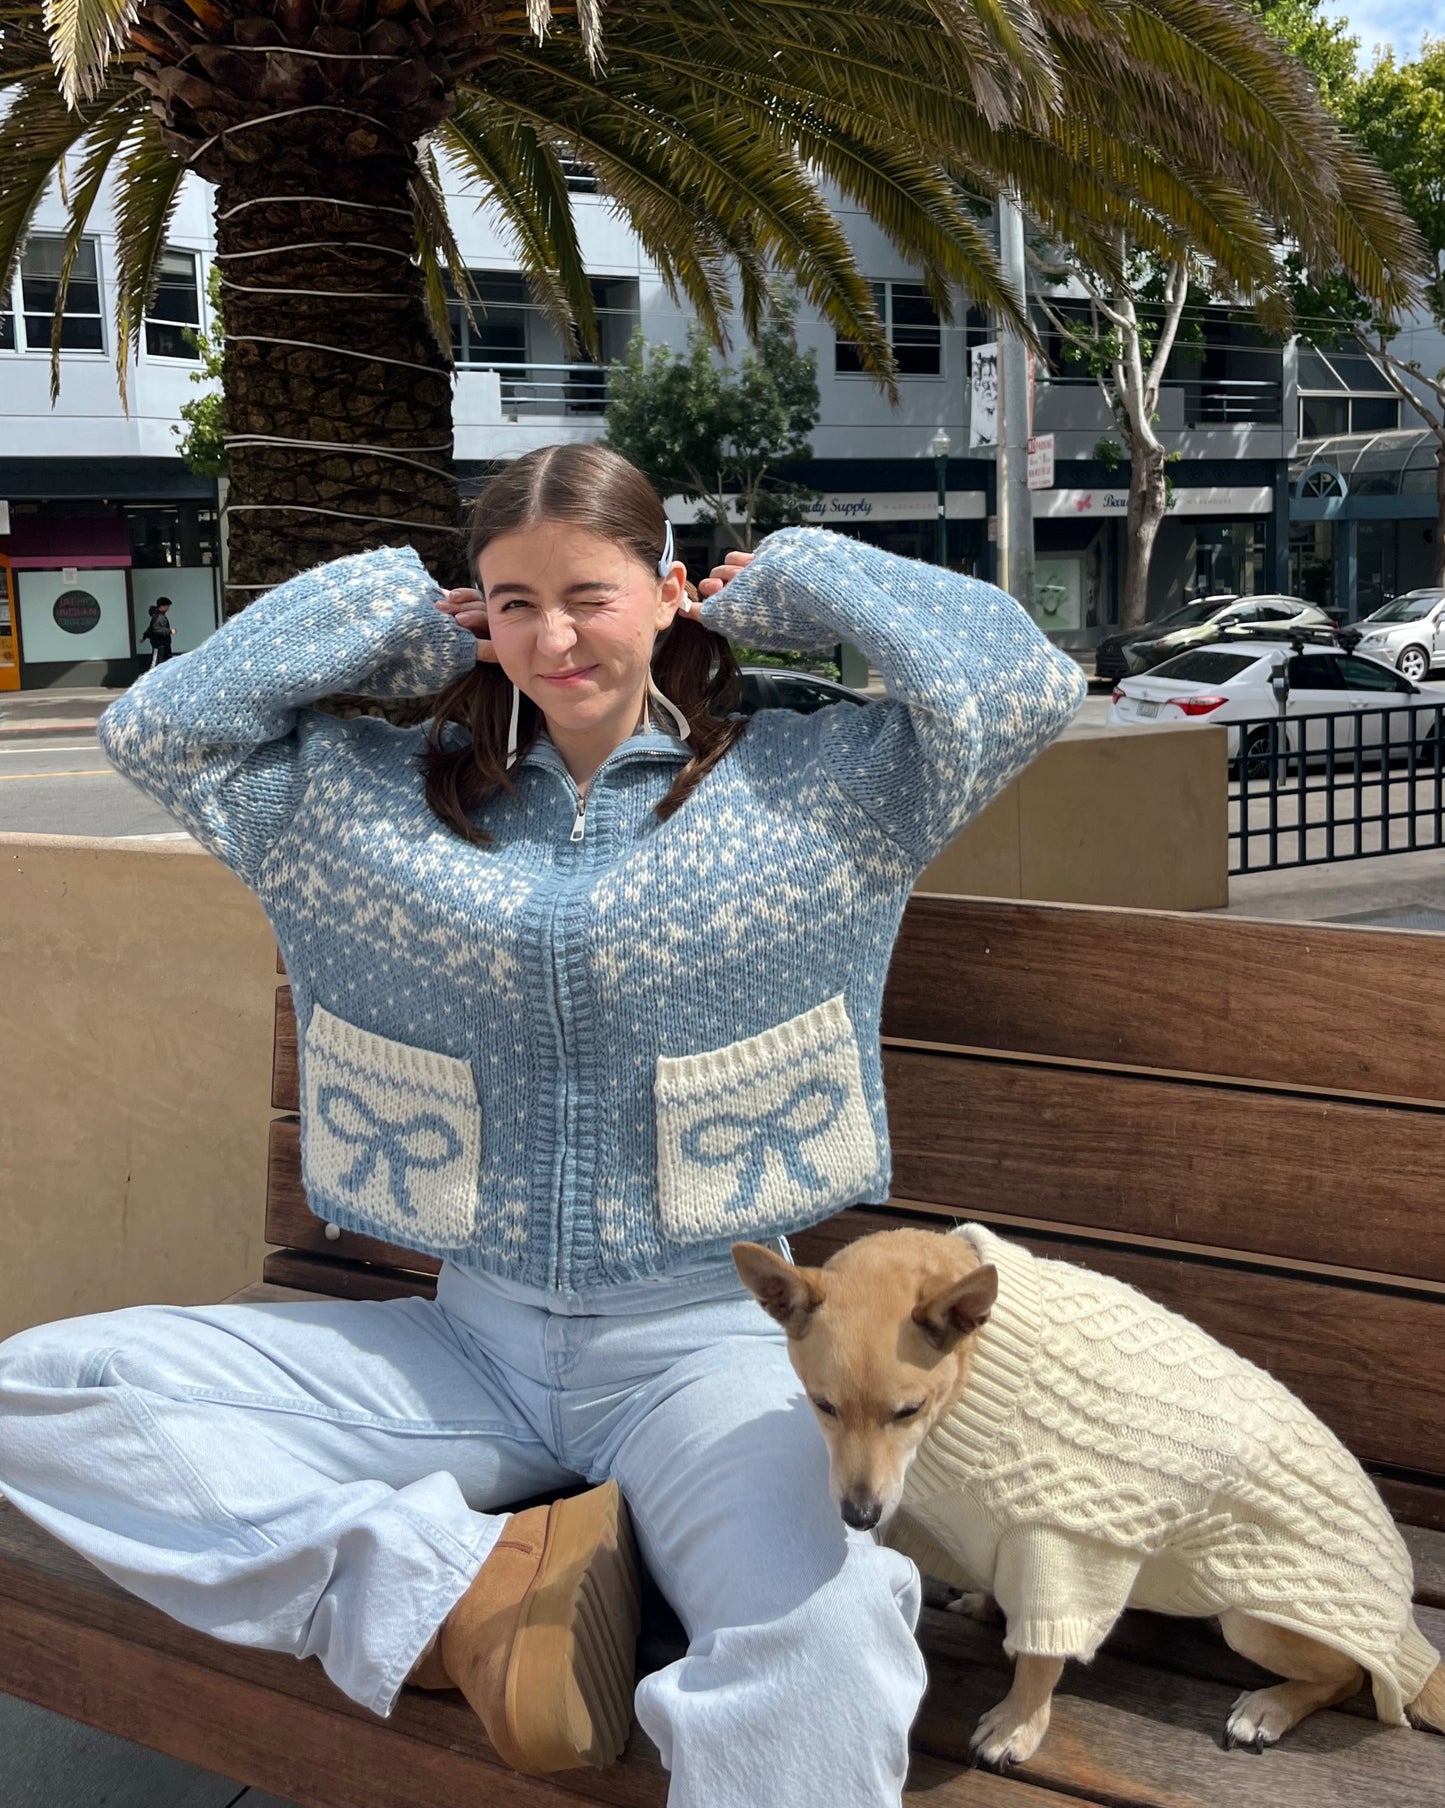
<point x="861" y="1512"/>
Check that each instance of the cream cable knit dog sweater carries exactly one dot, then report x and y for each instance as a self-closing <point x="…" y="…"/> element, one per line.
<point x="1107" y="1453"/>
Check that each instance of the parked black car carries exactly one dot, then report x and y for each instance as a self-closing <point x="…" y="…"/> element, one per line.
<point x="777" y="687"/>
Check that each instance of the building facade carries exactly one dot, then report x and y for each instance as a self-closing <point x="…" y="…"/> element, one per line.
<point x="99" y="518"/>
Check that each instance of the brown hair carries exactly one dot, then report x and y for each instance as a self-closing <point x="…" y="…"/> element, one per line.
<point x="592" y="487"/>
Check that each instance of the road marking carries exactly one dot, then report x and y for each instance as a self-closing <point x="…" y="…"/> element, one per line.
<point x="17" y="778"/>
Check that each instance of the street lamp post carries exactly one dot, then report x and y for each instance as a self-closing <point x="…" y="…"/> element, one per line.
<point x="940" y="446"/>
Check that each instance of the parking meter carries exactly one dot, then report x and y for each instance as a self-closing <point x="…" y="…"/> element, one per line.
<point x="1279" y="683"/>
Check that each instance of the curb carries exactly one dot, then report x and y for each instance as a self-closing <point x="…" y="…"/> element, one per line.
<point x="38" y="731"/>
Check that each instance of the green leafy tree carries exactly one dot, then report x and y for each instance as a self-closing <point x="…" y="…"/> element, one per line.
<point x="715" y="434"/>
<point x="719" y="130"/>
<point x="202" y="441"/>
<point x="1397" y="111"/>
<point x="1144" y="308"/>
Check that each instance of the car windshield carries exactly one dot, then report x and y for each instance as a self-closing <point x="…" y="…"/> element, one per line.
<point x="1205" y="666"/>
<point x="1407" y="608"/>
<point x="1190" y="615"/>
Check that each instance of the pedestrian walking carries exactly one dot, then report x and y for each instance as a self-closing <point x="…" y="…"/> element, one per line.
<point x="160" y="631"/>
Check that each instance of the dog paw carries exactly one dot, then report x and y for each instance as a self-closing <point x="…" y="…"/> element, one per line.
<point x="1256" y="1722"/>
<point x="1001" y="1738"/>
<point x="976" y="1604"/>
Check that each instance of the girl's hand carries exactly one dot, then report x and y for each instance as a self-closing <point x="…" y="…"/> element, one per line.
<point x="467" y="609"/>
<point x="724" y="573"/>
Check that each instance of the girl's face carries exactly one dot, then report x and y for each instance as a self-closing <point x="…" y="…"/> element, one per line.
<point x="573" y="617"/>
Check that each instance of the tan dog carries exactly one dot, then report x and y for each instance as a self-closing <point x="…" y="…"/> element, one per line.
<point x="885" y="1338"/>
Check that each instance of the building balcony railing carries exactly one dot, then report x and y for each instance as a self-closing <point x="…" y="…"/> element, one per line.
<point x="1233" y="402"/>
<point x="548" y="389"/>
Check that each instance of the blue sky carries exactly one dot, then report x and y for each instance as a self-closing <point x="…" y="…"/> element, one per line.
<point x="1399" y="24"/>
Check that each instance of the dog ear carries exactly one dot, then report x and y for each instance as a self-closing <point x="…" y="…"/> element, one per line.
<point x="790" y="1295"/>
<point x="961" y="1307"/>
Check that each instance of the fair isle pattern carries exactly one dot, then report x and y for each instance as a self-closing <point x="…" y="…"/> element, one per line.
<point x="564" y="974"/>
<point x="776" y="1123"/>
<point x="1145" y="1464"/>
<point x="395" y="1132"/>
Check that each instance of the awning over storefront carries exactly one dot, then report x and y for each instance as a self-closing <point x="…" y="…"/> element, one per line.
<point x="86" y="542"/>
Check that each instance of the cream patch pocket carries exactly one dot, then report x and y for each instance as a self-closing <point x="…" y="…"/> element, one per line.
<point x="765" y="1130"/>
<point x="393" y="1133"/>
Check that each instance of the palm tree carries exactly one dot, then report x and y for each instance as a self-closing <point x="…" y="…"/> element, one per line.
<point x="713" y="127"/>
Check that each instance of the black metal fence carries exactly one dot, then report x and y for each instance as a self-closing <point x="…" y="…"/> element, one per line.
<point x="1348" y="786"/>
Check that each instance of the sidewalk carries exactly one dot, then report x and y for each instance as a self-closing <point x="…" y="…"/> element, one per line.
<point x="32" y="715"/>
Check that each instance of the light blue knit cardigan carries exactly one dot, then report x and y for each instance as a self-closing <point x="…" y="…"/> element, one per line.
<point x="581" y="1061"/>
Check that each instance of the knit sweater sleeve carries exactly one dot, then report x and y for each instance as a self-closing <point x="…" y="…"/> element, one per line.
<point x="975" y="690"/>
<point x="224" y="738"/>
<point x="1060" y="1593"/>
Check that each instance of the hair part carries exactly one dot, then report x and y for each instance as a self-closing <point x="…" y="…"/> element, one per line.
<point x="592" y="487"/>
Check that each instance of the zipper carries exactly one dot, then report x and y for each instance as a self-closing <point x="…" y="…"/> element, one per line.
<point x="579" y="825"/>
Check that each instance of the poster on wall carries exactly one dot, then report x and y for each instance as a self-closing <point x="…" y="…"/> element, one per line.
<point x="1059" y="593"/>
<point x="983" y="395"/>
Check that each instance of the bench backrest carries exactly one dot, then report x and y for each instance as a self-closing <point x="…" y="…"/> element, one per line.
<point x="1244" y="1119"/>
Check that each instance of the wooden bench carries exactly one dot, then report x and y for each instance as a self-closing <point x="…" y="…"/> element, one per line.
<point x="1243" y="1119"/>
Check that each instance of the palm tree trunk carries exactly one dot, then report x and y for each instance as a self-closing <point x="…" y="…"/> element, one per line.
<point x="338" y="395"/>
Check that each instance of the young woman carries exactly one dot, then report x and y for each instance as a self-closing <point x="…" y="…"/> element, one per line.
<point x="588" y="981"/>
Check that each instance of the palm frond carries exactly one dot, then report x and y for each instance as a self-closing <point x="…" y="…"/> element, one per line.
<point x="36" y="133"/>
<point x="83" y="35"/>
<point x="147" y="191"/>
<point x="492" y="144"/>
<point x="437" y="251"/>
<point x="101" y="147"/>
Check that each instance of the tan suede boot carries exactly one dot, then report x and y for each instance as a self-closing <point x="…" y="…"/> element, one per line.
<point x="543" y="1642"/>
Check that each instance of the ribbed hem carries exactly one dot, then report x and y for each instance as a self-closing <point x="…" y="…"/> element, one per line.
<point x="1072" y="1636"/>
<point x="1002" y="1358"/>
<point x="823" y="1027"/>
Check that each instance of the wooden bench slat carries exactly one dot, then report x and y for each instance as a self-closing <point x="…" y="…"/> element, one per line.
<point x="1132" y="1734"/>
<point x="285" y="1058"/>
<point x="291" y="1224"/>
<point x="1239" y="1170"/>
<point x="1304" y="1005"/>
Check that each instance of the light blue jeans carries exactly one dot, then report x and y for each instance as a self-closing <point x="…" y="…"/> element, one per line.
<point x="322" y="1477"/>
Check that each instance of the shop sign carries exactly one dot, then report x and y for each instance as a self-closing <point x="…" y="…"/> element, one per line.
<point x="77" y="611"/>
<point x="1041" y="462"/>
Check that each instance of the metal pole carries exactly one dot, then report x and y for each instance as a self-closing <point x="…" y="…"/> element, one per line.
<point x="1015" y="505"/>
<point x="940" y="554"/>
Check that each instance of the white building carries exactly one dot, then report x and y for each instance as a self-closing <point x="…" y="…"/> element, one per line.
<point x="100" y="505"/>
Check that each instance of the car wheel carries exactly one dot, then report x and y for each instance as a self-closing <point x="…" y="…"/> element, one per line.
<point x="1259" y="753"/>
<point x="1414" y="664"/>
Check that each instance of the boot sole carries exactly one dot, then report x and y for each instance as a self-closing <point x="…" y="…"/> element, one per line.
<point x="570" y="1675"/>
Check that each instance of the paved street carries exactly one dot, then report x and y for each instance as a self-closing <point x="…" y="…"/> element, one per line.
<point x="61" y="785"/>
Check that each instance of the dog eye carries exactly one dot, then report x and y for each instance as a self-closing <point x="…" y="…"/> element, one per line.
<point x="827" y="1408"/>
<point x="908" y="1412"/>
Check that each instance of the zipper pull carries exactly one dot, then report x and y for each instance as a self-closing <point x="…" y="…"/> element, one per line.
<point x="579" y="827"/>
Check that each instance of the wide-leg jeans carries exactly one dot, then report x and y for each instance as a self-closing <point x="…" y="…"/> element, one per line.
<point x="325" y="1478"/>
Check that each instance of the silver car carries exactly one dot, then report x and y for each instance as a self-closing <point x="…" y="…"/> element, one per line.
<point x="1408" y="632"/>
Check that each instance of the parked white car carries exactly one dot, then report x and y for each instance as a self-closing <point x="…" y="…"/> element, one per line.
<point x="1408" y="632"/>
<point x="1234" y="683"/>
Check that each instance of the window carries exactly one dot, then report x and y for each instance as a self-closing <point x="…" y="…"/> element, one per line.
<point x="80" y="329"/>
<point x="176" y="310"/>
<point x="7" y="327"/>
<point x="496" y="332"/>
<point x="1205" y="667"/>
<point x="913" y="330"/>
<point x="805" y="695"/>
<point x="1343" y="390"/>
<point x="581" y="177"/>
<point x="1365" y="675"/>
<point x="1315" y="672"/>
